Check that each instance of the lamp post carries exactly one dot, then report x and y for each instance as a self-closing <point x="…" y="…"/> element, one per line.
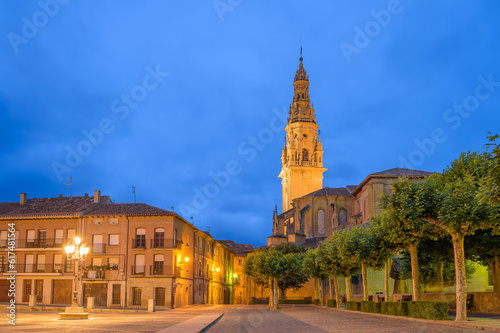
<point x="77" y="252"/>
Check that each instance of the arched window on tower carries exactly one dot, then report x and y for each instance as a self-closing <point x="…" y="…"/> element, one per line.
<point x="305" y="155"/>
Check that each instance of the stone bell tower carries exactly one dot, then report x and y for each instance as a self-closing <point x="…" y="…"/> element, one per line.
<point x="302" y="157"/>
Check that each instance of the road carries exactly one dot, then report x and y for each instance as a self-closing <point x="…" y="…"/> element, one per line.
<point x="313" y="319"/>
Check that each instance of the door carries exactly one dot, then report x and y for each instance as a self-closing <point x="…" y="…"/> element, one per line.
<point x="4" y="290"/>
<point x="39" y="291"/>
<point x="42" y="238"/>
<point x="97" y="290"/>
<point x="136" y="296"/>
<point x="160" y="296"/>
<point x="116" y="294"/>
<point x="27" y="290"/>
<point x="30" y="238"/>
<point x="28" y="263"/>
<point x="97" y="246"/>
<point x="61" y="291"/>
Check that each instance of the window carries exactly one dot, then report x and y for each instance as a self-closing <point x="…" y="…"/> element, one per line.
<point x="321" y="222"/>
<point x="175" y="238"/>
<point x="187" y="240"/>
<point x="70" y="235"/>
<point x="30" y="238"/>
<point x="40" y="263"/>
<point x="97" y="244"/>
<point x="29" y="263"/>
<point x="139" y="263"/>
<point x="58" y="236"/>
<point x="240" y="262"/>
<point x="199" y="268"/>
<point x="97" y="221"/>
<point x="199" y="289"/>
<point x="114" y="239"/>
<point x="113" y="221"/>
<point x="140" y="238"/>
<point x="69" y="265"/>
<point x="342" y="217"/>
<point x="3" y="265"/>
<point x="58" y="259"/>
<point x="136" y="296"/>
<point x="158" y="264"/>
<point x="159" y="241"/>
<point x="3" y="238"/>
<point x="305" y="155"/>
<point x="113" y="262"/>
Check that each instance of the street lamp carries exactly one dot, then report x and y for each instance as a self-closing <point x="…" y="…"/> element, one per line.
<point x="77" y="252"/>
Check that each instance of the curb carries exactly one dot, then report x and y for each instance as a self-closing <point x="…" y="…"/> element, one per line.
<point x="198" y="324"/>
<point x="211" y="324"/>
<point x="430" y="321"/>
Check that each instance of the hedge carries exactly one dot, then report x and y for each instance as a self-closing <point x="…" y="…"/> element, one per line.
<point x="331" y="303"/>
<point x="420" y="309"/>
<point x="355" y="306"/>
<point x="295" y="301"/>
<point x="317" y="302"/>
<point x="369" y="306"/>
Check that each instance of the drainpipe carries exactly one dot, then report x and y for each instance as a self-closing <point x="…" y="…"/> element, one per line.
<point x="194" y="253"/>
<point x="126" y="261"/>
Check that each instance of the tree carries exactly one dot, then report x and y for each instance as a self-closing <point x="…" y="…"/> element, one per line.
<point x="484" y="247"/>
<point x="329" y="262"/>
<point x="294" y="276"/>
<point x="490" y="184"/>
<point x="404" y="227"/>
<point x="451" y="201"/>
<point x="314" y="269"/>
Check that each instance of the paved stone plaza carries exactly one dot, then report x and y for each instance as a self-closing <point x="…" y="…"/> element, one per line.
<point x="236" y="318"/>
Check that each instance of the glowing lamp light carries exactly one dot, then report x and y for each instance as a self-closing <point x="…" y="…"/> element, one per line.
<point x="217" y="269"/>
<point x="235" y="275"/>
<point x="70" y="249"/>
<point x="84" y="251"/>
<point x="186" y="259"/>
<point x="78" y="240"/>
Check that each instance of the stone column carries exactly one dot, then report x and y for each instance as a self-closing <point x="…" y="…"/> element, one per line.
<point x="90" y="303"/>
<point x="151" y="305"/>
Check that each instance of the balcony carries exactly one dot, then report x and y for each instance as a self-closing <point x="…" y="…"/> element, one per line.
<point x="95" y="274"/>
<point x="156" y="269"/>
<point x="156" y="243"/>
<point x="98" y="248"/>
<point x="35" y="243"/>
<point x="138" y="270"/>
<point x="38" y="268"/>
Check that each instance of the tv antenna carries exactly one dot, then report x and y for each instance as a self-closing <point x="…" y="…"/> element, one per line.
<point x="132" y="191"/>
<point x="70" y="185"/>
<point x="172" y="207"/>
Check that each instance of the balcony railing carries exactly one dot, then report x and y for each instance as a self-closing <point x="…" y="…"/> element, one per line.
<point x="39" y="268"/>
<point x="138" y="270"/>
<point x="156" y="243"/>
<point x="98" y="248"/>
<point x="95" y="274"/>
<point x="34" y="243"/>
<point x="156" y="270"/>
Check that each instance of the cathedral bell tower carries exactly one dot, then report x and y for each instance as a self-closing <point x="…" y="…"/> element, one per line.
<point x="302" y="157"/>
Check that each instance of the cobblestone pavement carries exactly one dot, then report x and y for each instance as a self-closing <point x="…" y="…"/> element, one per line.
<point x="312" y="319"/>
<point x="97" y="322"/>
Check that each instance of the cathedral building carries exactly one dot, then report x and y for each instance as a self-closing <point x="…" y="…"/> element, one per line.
<point x="312" y="212"/>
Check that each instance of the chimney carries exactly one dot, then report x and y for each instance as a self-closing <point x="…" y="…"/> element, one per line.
<point x="60" y="195"/>
<point x="86" y="195"/>
<point x="22" y="200"/>
<point x="97" y="196"/>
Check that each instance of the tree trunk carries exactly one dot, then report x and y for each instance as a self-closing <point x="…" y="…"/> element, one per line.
<point x="276" y="294"/>
<point x="386" y="279"/>
<point x="316" y="287"/>
<point x="365" y="281"/>
<point x="271" y="293"/>
<point x="337" y="296"/>
<point x="348" y="290"/>
<point x="414" y="272"/>
<point x="461" y="281"/>
<point x="330" y="287"/>
<point x="440" y="278"/>
<point x="495" y="273"/>
<point x="395" y="288"/>
<point x="322" y="288"/>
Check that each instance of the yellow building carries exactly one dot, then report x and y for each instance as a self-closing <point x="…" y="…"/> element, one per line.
<point x="137" y="252"/>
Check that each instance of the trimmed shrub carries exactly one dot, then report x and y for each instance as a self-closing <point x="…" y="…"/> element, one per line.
<point x="256" y="300"/>
<point x="369" y="306"/>
<point x="317" y="302"/>
<point x="355" y="306"/>
<point x="394" y="308"/>
<point x="428" y="310"/>
<point x="420" y="309"/>
<point x="331" y="303"/>
<point x="295" y="301"/>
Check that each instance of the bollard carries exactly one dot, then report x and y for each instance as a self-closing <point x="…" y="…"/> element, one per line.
<point x="32" y="302"/>
<point x="151" y="305"/>
<point x="90" y="303"/>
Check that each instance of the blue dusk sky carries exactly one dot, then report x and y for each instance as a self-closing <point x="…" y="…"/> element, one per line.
<point x="187" y="100"/>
